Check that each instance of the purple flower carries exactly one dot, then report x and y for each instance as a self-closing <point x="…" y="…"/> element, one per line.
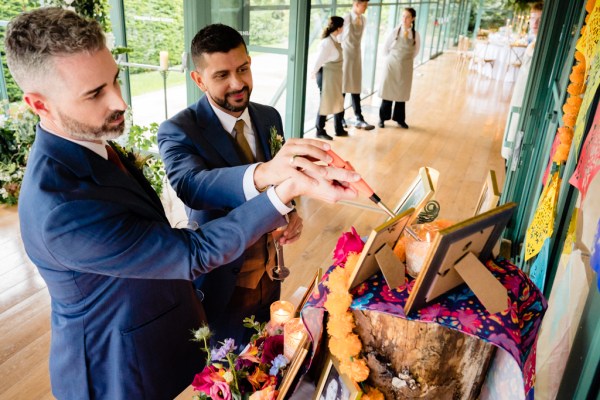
<point x="221" y="353"/>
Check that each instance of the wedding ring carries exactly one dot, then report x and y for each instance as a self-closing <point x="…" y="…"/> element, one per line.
<point x="292" y="159"/>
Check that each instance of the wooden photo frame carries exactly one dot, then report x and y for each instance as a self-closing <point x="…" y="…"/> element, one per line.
<point x="312" y="288"/>
<point x="470" y="241"/>
<point x="380" y="243"/>
<point x="490" y="195"/>
<point x="420" y="191"/>
<point x="335" y="385"/>
<point x="293" y="367"/>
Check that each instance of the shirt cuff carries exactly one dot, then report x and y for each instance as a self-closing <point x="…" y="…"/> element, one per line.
<point x="250" y="191"/>
<point x="277" y="203"/>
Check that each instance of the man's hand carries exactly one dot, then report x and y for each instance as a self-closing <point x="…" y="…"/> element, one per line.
<point x="329" y="184"/>
<point x="294" y="158"/>
<point x="293" y="230"/>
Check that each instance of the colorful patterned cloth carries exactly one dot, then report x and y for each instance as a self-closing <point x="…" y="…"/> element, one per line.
<point x="514" y="330"/>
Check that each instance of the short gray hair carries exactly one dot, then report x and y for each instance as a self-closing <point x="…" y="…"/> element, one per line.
<point x="34" y="38"/>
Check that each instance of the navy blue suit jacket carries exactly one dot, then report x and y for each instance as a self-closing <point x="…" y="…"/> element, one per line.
<point x="202" y="162"/>
<point x="118" y="274"/>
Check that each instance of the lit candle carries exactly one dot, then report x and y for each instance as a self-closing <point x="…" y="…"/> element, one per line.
<point x="281" y="312"/>
<point x="164" y="60"/>
<point x="293" y="334"/>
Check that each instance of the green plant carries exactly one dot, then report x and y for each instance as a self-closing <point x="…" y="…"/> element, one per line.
<point x="17" y="133"/>
<point x="138" y="147"/>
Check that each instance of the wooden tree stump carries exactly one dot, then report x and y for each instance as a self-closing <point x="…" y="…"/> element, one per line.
<point x="442" y="363"/>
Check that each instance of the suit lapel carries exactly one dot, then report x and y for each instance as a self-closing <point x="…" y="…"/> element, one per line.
<point x="213" y="133"/>
<point x="139" y="177"/>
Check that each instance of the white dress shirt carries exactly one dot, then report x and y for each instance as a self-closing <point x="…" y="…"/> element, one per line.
<point x="228" y="122"/>
<point x="327" y="52"/>
<point x="389" y="43"/>
<point x="351" y="18"/>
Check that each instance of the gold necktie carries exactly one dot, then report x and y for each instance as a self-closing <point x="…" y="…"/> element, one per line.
<point x="240" y="138"/>
<point x="405" y="34"/>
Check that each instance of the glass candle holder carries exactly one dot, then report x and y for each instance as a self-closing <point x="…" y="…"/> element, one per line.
<point x="293" y="334"/>
<point x="281" y="312"/>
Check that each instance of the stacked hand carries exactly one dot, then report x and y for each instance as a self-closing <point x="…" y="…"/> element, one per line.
<point x="295" y="172"/>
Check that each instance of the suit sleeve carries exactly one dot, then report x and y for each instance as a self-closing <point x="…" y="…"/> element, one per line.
<point x="197" y="185"/>
<point x="108" y="238"/>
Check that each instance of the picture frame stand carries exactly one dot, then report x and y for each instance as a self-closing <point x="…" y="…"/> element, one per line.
<point x="394" y="270"/>
<point x="492" y="294"/>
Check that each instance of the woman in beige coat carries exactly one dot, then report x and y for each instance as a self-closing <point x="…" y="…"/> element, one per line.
<point x="328" y="71"/>
<point x="401" y="47"/>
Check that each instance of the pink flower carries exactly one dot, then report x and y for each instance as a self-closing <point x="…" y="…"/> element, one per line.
<point x="205" y="380"/>
<point x="220" y="391"/>
<point x="349" y="242"/>
<point x="268" y="393"/>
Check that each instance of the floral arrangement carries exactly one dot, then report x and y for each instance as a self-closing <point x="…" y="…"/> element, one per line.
<point x="253" y="374"/>
<point x="275" y="141"/>
<point x="345" y="345"/>
<point x="17" y="133"/>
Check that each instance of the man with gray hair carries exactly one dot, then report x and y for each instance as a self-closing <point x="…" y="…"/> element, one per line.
<point x="119" y="276"/>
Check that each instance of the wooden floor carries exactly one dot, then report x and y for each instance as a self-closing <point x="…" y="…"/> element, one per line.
<point x="456" y="122"/>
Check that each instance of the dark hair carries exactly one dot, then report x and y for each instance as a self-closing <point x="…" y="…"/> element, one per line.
<point x="334" y="24"/>
<point x="539" y="6"/>
<point x="34" y="37"/>
<point x="413" y="12"/>
<point x="215" y="38"/>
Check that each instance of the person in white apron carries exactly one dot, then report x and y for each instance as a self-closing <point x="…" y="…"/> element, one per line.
<point x="328" y="72"/>
<point x="354" y="26"/>
<point x="401" y="47"/>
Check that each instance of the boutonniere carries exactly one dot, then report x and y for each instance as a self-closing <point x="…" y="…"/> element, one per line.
<point x="138" y="160"/>
<point x="275" y="141"/>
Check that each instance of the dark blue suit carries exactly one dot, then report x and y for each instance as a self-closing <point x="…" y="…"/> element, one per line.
<point x="200" y="158"/>
<point x="118" y="274"/>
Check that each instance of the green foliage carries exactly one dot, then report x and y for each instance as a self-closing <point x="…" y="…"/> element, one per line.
<point x="95" y="9"/>
<point x="268" y="28"/>
<point x="153" y="26"/>
<point x="17" y="133"/>
<point x="137" y="146"/>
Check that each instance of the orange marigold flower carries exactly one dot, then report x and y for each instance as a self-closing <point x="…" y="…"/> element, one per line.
<point x="372" y="394"/>
<point x="337" y="282"/>
<point x="575" y="89"/>
<point x="340" y="326"/>
<point x="579" y="56"/>
<point x="574" y="101"/>
<point x="351" y="262"/>
<point x="562" y="153"/>
<point x="579" y="67"/>
<point x="570" y="109"/>
<point x="338" y="303"/>
<point x="576" y="77"/>
<point x="569" y="120"/>
<point x="339" y="349"/>
<point x="589" y="5"/>
<point x="357" y="370"/>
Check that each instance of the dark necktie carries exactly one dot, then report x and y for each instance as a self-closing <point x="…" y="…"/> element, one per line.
<point x="240" y="139"/>
<point x="113" y="157"/>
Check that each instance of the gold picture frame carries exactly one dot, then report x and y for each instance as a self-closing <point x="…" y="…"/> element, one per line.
<point x="468" y="243"/>
<point x="490" y="194"/>
<point x="333" y="382"/>
<point x="380" y="244"/>
<point x="420" y="191"/>
<point x="293" y="367"/>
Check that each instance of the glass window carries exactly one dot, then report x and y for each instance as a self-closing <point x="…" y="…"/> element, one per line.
<point x="152" y="28"/>
<point x="269" y="74"/>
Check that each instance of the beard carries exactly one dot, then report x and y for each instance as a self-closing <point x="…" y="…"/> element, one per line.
<point x="227" y="105"/>
<point x="82" y="131"/>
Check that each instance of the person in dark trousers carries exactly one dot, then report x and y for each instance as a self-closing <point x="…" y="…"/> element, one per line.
<point x="401" y="47"/>
<point x="354" y="27"/>
<point x="328" y="71"/>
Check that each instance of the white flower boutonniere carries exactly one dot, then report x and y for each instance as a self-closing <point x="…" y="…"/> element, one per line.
<point x="275" y="141"/>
